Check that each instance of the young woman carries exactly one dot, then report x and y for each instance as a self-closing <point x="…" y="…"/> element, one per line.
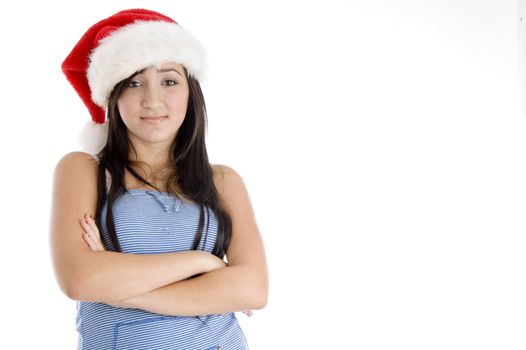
<point x="141" y="225"/>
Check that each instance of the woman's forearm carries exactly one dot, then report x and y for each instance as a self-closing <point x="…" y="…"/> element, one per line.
<point x="230" y="289"/>
<point x="108" y="276"/>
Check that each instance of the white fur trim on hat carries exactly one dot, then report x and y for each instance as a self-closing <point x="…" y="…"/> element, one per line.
<point x="137" y="46"/>
<point x="93" y="137"/>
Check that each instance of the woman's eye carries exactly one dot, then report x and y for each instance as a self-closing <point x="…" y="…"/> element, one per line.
<point x="133" y="84"/>
<point x="170" y="82"/>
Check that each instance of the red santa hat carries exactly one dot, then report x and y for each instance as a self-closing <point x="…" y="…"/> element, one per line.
<point x="115" y="48"/>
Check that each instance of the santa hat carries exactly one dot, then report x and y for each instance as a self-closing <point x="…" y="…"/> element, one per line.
<point x="117" y="47"/>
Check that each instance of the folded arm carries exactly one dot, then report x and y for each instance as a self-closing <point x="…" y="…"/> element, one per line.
<point x="242" y="285"/>
<point x="230" y="289"/>
<point x="103" y="276"/>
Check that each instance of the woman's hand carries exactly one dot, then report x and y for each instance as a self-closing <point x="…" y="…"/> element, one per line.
<point x="212" y="261"/>
<point x="92" y="234"/>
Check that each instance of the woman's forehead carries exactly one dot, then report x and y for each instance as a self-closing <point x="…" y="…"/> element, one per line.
<point x="168" y="66"/>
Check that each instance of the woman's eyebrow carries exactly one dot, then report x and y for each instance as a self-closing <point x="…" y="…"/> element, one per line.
<point x="168" y="70"/>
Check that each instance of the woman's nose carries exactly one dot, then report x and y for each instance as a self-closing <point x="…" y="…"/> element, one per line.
<point x="152" y="97"/>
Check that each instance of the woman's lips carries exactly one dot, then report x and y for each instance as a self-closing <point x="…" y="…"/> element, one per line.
<point x="154" y="119"/>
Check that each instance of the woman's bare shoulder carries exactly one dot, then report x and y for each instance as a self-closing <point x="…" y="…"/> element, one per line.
<point x="225" y="178"/>
<point x="76" y="167"/>
<point x="78" y="158"/>
<point x="221" y="169"/>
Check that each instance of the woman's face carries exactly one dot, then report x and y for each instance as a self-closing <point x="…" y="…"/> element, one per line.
<point x="153" y="104"/>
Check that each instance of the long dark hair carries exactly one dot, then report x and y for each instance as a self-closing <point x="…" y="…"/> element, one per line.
<point x="190" y="176"/>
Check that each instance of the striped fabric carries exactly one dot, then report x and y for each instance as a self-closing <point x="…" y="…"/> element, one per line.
<point x="150" y="222"/>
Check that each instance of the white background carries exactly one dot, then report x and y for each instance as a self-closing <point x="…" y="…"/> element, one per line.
<point x="382" y="142"/>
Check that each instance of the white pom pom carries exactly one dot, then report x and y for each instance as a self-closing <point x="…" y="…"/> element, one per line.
<point x="93" y="137"/>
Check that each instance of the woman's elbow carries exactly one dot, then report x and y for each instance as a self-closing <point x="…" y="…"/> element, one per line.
<point x="71" y="287"/>
<point x="81" y="287"/>
<point x="260" y="302"/>
<point x="259" y="295"/>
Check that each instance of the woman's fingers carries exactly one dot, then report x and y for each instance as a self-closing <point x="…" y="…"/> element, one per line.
<point x="90" y="242"/>
<point x="92" y="235"/>
<point x="96" y="233"/>
<point x="248" y="313"/>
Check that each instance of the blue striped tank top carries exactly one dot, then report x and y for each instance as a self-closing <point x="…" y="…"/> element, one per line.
<point x="151" y="222"/>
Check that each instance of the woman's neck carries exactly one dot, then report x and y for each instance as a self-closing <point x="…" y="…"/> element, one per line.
<point x="153" y="156"/>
